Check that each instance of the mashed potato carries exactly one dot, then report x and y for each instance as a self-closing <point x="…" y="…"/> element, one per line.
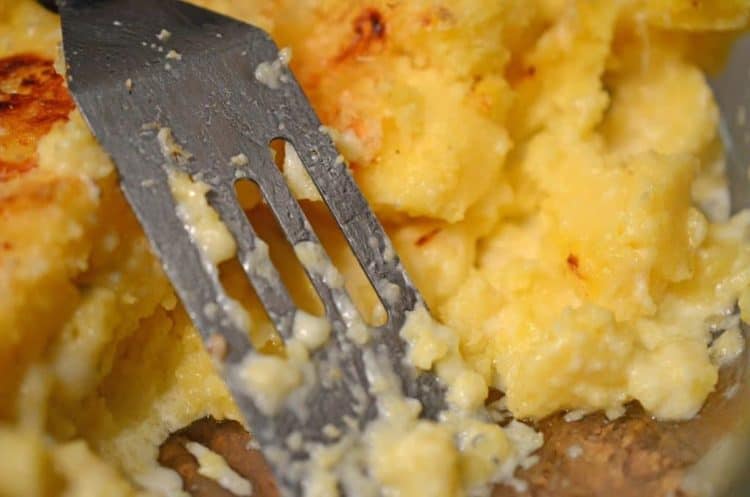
<point x="540" y="165"/>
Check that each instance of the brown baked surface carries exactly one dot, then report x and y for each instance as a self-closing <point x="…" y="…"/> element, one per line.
<point x="33" y="97"/>
<point x="633" y="456"/>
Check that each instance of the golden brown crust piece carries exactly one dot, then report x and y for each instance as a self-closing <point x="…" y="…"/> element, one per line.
<point x="33" y="97"/>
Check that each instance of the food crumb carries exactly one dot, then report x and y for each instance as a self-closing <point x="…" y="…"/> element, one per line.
<point x="216" y="345"/>
<point x="213" y="466"/>
<point x="170" y="148"/>
<point x="574" y="415"/>
<point x="574" y="451"/>
<point x="270" y="73"/>
<point x="295" y="442"/>
<point x="239" y="160"/>
<point x="164" y="35"/>
<point x="210" y="310"/>
<point x="331" y="431"/>
<point x="174" y="55"/>
<point x="129" y="84"/>
<point x="730" y="392"/>
<point x="614" y="412"/>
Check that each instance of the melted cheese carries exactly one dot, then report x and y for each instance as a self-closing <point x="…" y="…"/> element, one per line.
<point x="296" y="175"/>
<point x="200" y="219"/>
<point x="397" y="449"/>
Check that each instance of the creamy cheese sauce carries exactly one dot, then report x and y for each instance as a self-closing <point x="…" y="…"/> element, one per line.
<point x="297" y="177"/>
<point x="313" y="257"/>
<point x="201" y="220"/>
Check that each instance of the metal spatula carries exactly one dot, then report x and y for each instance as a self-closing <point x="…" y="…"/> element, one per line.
<point x="137" y="65"/>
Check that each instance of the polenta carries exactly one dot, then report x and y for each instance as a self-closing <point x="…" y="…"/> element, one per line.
<point x="549" y="170"/>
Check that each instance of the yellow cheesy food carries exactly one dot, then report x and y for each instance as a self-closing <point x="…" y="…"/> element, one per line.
<point x="549" y="170"/>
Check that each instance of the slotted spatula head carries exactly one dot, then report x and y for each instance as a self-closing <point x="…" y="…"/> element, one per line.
<point x="198" y="81"/>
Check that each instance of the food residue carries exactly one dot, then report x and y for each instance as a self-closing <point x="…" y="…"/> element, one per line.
<point x="271" y="73"/>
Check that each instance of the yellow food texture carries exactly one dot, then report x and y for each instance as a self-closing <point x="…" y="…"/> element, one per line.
<point x="395" y="80"/>
<point x="97" y="365"/>
<point x="697" y="14"/>
<point x="399" y="460"/>
<point x="539" y="166"/>
<point x="39" y="470"/>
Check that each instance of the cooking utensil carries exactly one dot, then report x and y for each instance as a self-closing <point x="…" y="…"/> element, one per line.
<point x="167" y="82"/>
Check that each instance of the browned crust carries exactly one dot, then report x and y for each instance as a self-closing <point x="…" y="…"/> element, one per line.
<point x="368" y="35"/>
<point x="633" y="456"/>
<point x="425" y="238"/>
<point x="33" y="97"/>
